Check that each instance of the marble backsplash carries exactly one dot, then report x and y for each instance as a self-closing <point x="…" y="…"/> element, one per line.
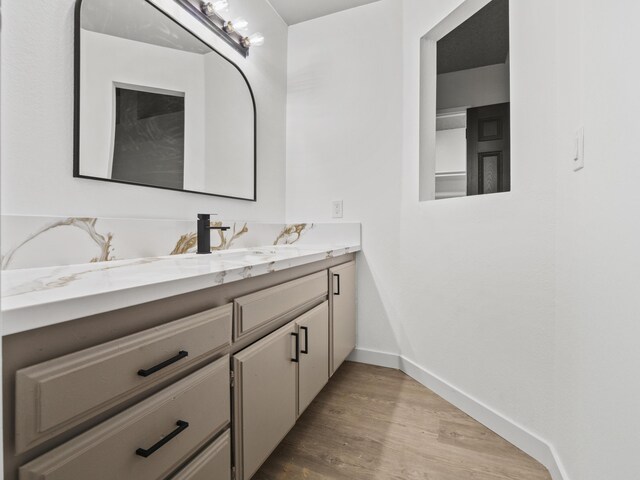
<point x="33" y="241"/>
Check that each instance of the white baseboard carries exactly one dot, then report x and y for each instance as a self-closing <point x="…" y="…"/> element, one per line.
<point x="374" y="357"/>
<point x="519" y="436"/>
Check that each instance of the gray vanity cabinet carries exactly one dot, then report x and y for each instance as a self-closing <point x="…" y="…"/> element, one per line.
<point x="278" y="377"/>
<point x="265" y="407"/>
<point x="214" y="463"/>
<point x="147" y="441"/>
<point x="256" y="312"/>
<point x="342" y="300"/>
<point x="313" y="374"/>
<point x="157" y="391"/>
<point x="100" y="377"/>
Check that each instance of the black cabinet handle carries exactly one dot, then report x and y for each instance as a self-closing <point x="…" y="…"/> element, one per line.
<point x="182" y="426"/>
<point x="306" y="340"/>
<point x="145" y="373"/>
<point x="297" y="357"/>
<point x="337" y="292"/>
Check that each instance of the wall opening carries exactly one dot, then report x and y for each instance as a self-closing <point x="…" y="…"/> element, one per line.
<point x="465" y="103"/>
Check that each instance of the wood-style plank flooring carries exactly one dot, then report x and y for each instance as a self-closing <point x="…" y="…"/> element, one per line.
<point x="377" y="423"/>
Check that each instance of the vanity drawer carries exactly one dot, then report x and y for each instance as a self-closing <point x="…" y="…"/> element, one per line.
<point x="53" y="396"/>
<point x="259" y="309"/>
<point x="149" y="440"/>
<point x="212" y="464"/>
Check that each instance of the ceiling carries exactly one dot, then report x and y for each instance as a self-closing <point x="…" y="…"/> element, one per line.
<point x="481" y="40"/>
<point x="296" y="11"/>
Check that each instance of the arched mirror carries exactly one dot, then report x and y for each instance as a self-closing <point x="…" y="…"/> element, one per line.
<point x="156" y="106"/>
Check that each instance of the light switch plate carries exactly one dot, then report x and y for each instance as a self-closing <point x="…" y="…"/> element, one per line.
<point x="578" y="150"/>
<point x="337" y="209"/>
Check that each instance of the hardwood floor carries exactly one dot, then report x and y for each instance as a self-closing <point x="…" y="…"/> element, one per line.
<point x="377" y="423"/>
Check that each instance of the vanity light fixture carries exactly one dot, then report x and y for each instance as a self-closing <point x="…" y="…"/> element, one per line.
<point x="216" y="7"/>
<point x="253" y="40"/>
<point x="212" y="14"/>
<point x="237" y="25"/>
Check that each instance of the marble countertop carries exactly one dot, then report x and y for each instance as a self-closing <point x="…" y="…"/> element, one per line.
<point x="38" y="297"/>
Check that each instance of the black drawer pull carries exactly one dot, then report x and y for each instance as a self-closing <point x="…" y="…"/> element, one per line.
<point x="296" y="359"/>
<point x="337" y="292"/>
<point x="145" y="373"/>
<point x="306" y="340"/>
<point x="182" y="426"/>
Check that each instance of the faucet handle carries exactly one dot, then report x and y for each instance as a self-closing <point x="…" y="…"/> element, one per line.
<point x="205" y="218"/>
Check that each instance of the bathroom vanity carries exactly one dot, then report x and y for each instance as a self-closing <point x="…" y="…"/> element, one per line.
<point x="125" y="355"/>
<point x="203" y="384"/>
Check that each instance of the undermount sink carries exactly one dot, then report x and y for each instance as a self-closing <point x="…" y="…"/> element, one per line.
<point x="255" y="254"/>
<point x="245" y="255"/>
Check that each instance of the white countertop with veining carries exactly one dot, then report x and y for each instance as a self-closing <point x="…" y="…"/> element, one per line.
<point x="38" y="297"/>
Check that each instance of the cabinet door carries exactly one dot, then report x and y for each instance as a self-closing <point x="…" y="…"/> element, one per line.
<point x="265" y="395"/>
<point x="313" y="374"/>
<point x="343" y="312"/>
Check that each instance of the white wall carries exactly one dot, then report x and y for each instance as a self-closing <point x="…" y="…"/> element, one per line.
<point x="474" y="87"/>
<point x="37" y="121"/>
<point x="526" y="301"/>
<point x="598" y="261"/>
<point x="462" y="287"/>
<point x="344" y="141"/>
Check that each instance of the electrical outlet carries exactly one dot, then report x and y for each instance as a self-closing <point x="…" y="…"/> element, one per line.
<point x="578" y="150"/>
<point x="337" y="209"/>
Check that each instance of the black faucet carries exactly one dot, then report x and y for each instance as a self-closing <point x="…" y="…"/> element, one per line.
<point x="204" y="234"/>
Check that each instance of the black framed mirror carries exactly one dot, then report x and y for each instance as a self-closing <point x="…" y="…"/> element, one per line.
<point x="157" y="106"/>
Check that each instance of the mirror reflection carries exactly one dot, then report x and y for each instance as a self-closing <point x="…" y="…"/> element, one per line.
<point x="158" y="107"/>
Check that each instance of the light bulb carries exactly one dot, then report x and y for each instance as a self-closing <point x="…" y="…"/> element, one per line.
<point x="239" y="24"/>
<point x="215" y="7"/>
<point x="255" y="39"/>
